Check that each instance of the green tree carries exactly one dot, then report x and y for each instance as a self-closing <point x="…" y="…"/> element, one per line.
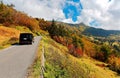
<point x="106" y="52"/>
<point x="57" y="30"/>
<point x="77" y="42"/>
<point x="52" y="28"/>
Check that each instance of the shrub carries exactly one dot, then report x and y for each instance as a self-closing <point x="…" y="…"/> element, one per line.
<point x="54" y="71"/>
<point x="103" y="53"/>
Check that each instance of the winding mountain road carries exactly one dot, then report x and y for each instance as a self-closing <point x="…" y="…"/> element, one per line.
<point x="14" y="61"/>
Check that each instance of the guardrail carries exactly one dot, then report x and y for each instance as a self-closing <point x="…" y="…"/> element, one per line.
<point x="42" y="63"/>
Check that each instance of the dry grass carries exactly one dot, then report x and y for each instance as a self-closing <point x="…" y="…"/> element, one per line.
<point x="89" y="47"/>
<point x="35" y="69"/>
<point x="96" y="71"/>
<point x="59" y="61"/>
<point x="85" y="67"/>
<point x="7" y="34"/>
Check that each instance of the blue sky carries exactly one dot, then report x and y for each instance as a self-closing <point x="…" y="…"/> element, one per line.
<point x="71" y="10"/>
<point x="96" y="13"/>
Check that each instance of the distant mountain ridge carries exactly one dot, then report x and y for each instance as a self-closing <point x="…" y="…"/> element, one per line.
<point x="100" y="32"/>
<point x="87" y="30"/>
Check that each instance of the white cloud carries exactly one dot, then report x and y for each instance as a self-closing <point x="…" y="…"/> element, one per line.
<point x="69" y="20"/>
<point x="105" y="12"/>
<point x="48" y="9"/>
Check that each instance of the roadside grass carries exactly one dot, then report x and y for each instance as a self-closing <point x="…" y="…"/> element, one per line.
<point x="54" y="65"/>
<point x="67" y="66"/>
<point x="3" y="42"/>
<point x="34" y="70"/>
<point x="1" y="47"/>
<point x="9" y="32"/>
<point x="60" y="64"/>
<point x="23" y="29"/>
<point x="8" y="42"/>
<point x="8" y="36"/>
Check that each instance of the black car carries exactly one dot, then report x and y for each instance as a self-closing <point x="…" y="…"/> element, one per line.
<point x="26" y="38"/>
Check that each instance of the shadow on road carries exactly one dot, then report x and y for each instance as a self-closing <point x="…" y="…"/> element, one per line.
<point x="15" y="44"/>
<point x="18" y="44"/>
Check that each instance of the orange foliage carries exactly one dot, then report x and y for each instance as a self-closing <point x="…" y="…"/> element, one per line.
<point x="79" y="51"/>
<point x="89" y="47"/>
<point x="75" y="51"/>
<point x="114" y="63"/>
<point x="9" y="16"/>
<point x="9" y="32"/>
<point x="23" y="19"/>
<point x="43" y="24"/>
<point x="71" y="48"/>
<point x="101" y="65"/>
<point x="59" y="39"/>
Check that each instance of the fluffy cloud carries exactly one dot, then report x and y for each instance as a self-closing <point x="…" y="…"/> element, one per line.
<point x="106" y="12"/>
<point x="48" y="9"/>
<point x="98" y="13"/>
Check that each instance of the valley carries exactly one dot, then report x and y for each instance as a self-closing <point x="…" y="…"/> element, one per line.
<point x="71" y="50"/>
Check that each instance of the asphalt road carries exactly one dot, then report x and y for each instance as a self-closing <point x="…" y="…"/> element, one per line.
<point x="14" y="61"/>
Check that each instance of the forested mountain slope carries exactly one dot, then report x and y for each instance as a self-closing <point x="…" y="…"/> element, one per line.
<point x="70" y="50"/>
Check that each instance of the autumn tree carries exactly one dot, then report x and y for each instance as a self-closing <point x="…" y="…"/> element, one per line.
<point x="9" y="16"/>
<point x="43" y="24"/>
<point x="106" y="52"/>
<point x="103" y="53"/>
<point x="77" y="42"/>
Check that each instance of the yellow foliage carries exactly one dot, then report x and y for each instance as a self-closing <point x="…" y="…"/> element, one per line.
<point x="7" y="33"/>
<point x="89" y="47"/>
<point x="77" y="67"/>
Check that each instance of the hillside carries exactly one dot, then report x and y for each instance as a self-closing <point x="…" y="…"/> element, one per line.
<point x="70" y="50"/>
<point x="59" y="63"/>
<point x="8" y="36"/>
<point x="87" y="30"/>
<point x="100" y="32"/>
